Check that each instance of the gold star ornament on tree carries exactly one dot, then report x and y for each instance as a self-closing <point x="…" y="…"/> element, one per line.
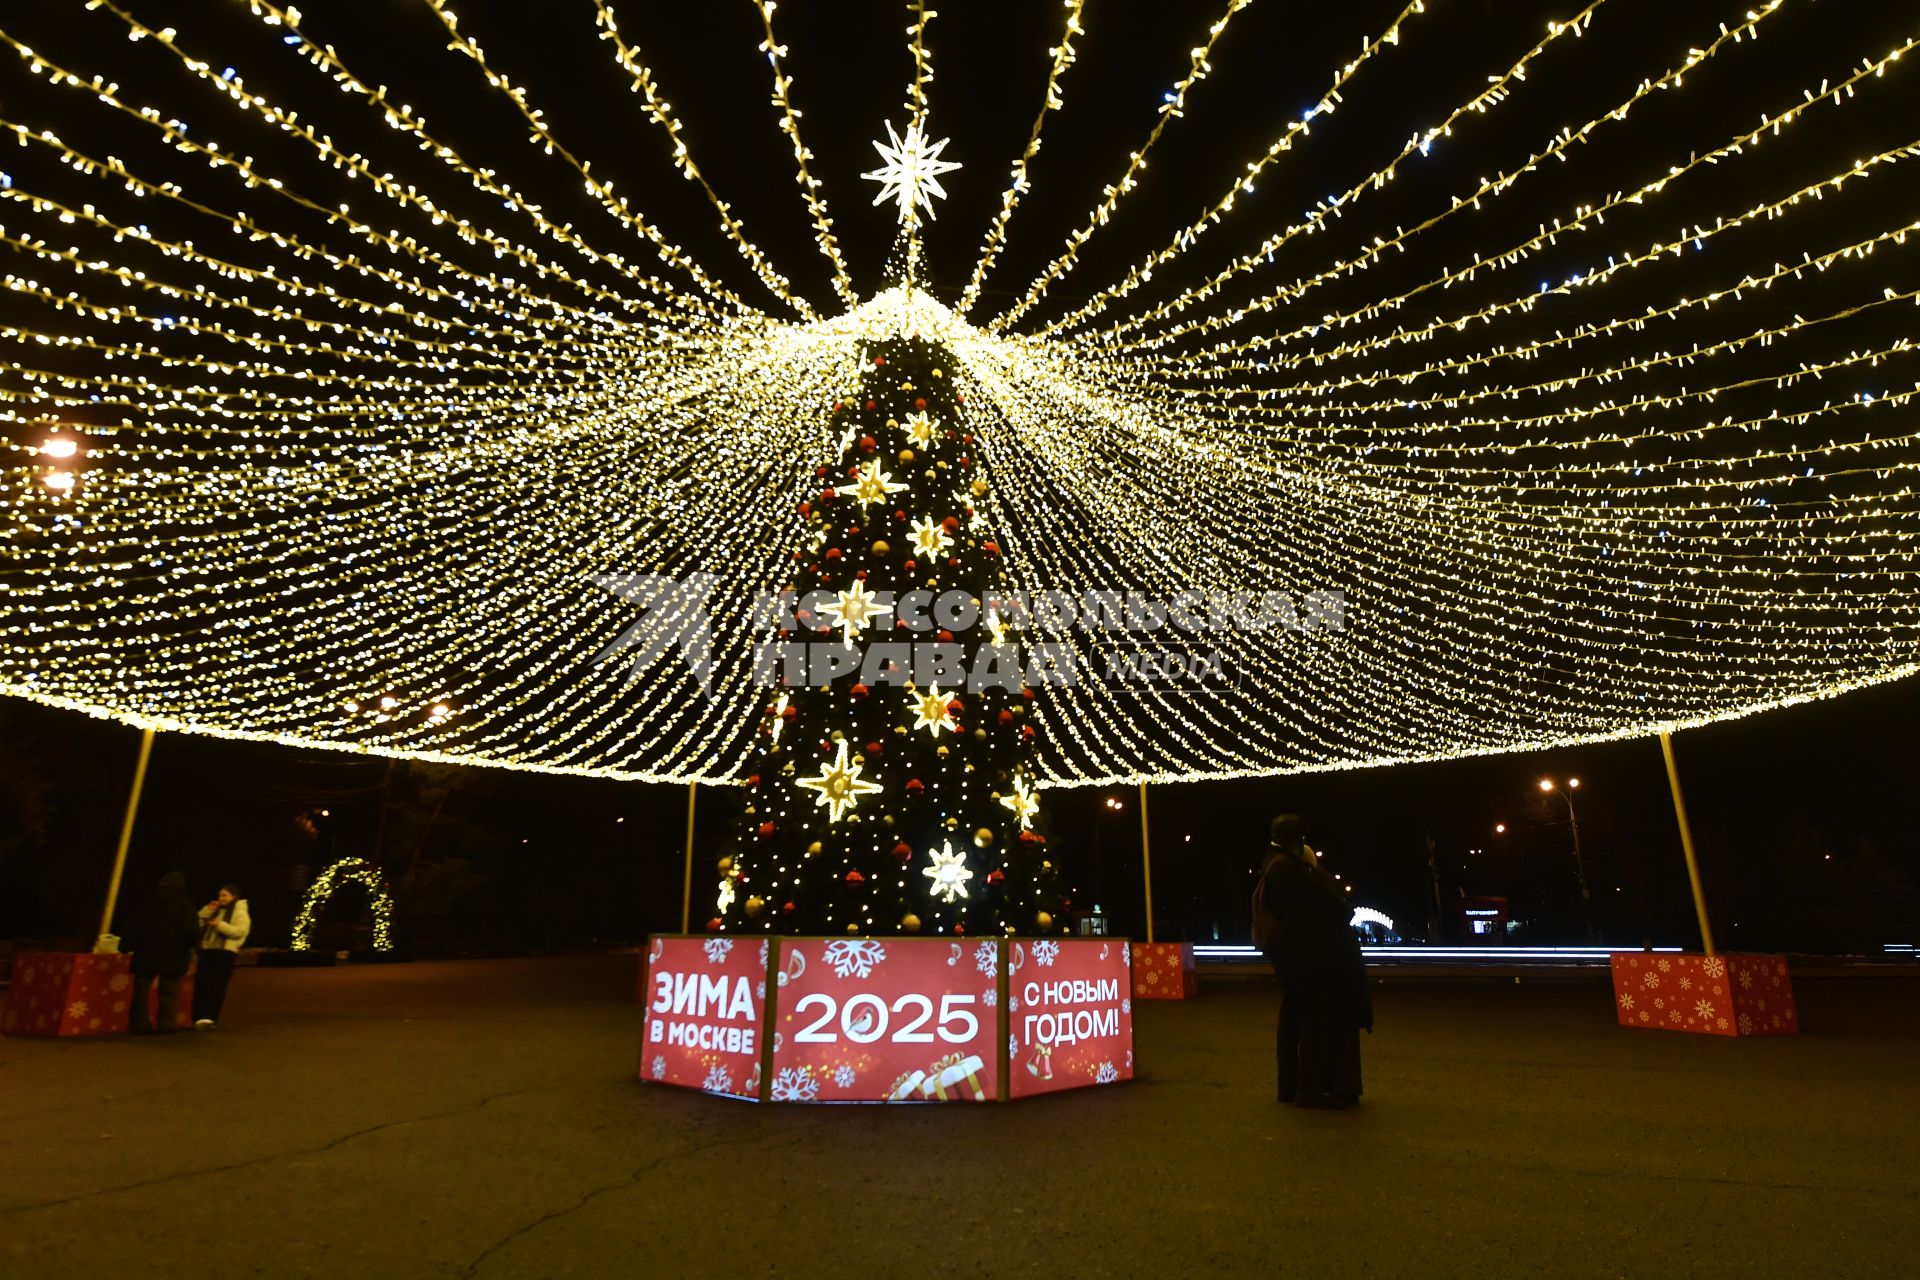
<point x="932" y="711"/>
<point x="839" y="785"/>
<point x="854" y="610"/>
<point x="1023" y="803"/>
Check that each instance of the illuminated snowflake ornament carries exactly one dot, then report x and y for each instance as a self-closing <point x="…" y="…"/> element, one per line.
<point x="949" y="873"/>
<point x="910" y="174"/>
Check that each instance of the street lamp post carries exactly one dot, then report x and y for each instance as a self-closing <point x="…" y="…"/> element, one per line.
<point x="1579" y="862"/>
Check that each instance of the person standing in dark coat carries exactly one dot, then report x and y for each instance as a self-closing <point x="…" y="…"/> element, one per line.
<point x="1302" y="924"/>
<point x="161" y="934"/>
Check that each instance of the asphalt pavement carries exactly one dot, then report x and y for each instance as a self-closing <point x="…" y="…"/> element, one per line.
<point x="482" y="1118"/>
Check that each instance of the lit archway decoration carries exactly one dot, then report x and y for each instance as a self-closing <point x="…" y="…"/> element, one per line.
<point x="346" y="871"/>
<point x="1367" y="915"/>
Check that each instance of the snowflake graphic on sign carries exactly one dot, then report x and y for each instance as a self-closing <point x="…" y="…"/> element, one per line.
<point x="719" y="1080"/>
<point x="1045" y="952"/>
<point x="795" y="1084"/>
<point x="844" y="1077"/>
<point x="717" y="949"/>
<point x="1106" y="1074"/>
<point x="986" y="958"/>
<point x="853" y="957"/>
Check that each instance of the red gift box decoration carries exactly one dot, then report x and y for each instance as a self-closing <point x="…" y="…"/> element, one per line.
<point x="1743" y="995"/>
<point x="1164" y="971"/>
<point x="64" y="993"/>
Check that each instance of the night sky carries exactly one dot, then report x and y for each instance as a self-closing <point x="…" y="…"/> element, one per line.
<point x="552" y="865"/>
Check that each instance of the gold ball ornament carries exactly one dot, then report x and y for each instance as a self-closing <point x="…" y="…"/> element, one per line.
<point x="980" y="735"/>
<point x="725" y="864"/>
<point x="906" y="455"/>
<point x="910" y="922"/>
<point x="881" y="548"/>
<point x="755" y="905"/>
<point x="853" y="929"/>
<point x="979" y="488"/>
<point x="1044" y="920"/>
<point x="813" y="848"/>
<point x="983" y="837"/>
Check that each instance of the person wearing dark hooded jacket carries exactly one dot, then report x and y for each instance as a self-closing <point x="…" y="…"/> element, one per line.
<point x="161" y="934"/>
<point x="1308" y="938"/>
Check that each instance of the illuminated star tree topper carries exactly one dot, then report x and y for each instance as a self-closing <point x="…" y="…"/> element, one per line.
<point x="910" y="174"/>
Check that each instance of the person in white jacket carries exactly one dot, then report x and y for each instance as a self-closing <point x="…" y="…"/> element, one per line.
<point x="224" y="924"/>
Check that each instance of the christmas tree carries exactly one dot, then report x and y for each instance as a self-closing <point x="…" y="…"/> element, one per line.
<point x="897" y="797"/>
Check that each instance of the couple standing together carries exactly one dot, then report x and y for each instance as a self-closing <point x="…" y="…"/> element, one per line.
<point x="167" y="936"/>
<point x="1302" y="925"/>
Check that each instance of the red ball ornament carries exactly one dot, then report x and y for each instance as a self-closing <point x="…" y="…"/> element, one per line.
<point x="854" y="877"/>
<point x="753" y="779"/>
<point x="806" y="509"/>
<point x="878" y="361"/>
<point x="833" y="553"/>
<point x="869" y="404"/>
<point x="959" y="931"/>
<point x="854" y="470"/>
<point x="995" y="876"/>
<point x="873" y="748"/>
<point x="956" y="707"/>
<point x="909" y="566"/>
<point x="1026" y="733"/>
<point x="819" y="473"/>
<point x="766" y="830"/>
<point x="1006" y="717"/>
<point x="904" y="852"/>
<point x="920" y="402"/>
<point x="914" y="786"/>
<point x="787" y="908"/>
<point x="900" y="517"/>
<point x="944" y="636"/>
<point x="951" y="524"/>
<point x="858" y="692"/>
<point x="827" y="496"/>
<point x="788" y="713"/>
<point x="868" y="444"/>
<point x="991" y="548"/>
<point x="953" y="562"/>
<point x="713" y="925"/>
<point x="1027" y="694"/>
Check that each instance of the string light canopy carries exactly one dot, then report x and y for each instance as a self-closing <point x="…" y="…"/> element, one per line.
<point x="320" y="424"/>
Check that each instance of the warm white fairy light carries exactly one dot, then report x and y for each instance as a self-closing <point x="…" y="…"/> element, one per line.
<point x="383" y="457"/>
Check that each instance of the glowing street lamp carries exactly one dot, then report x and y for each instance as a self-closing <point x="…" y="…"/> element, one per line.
<point x="1579" y="863"/>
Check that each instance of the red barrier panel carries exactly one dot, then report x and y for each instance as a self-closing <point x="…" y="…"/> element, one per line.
<point x="1069" y="1014"/>
<point x="706" y="1003"/>
<point x="886" y="1020"/>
